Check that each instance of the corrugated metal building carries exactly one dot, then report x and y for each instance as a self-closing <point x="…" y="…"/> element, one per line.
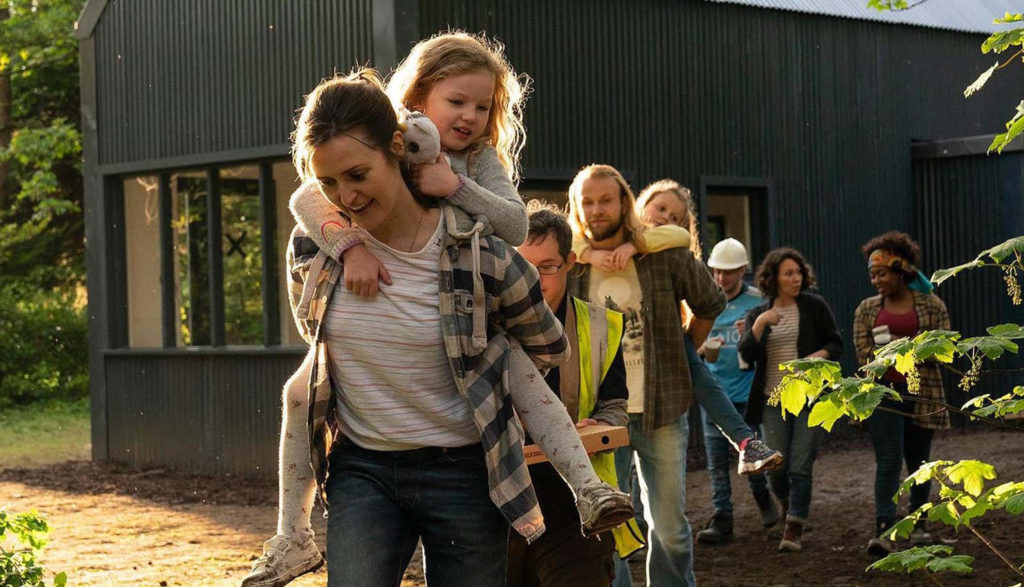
<point x="797" y="122"/>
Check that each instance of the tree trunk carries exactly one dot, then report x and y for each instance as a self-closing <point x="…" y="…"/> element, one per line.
<point x="6" y="128"/>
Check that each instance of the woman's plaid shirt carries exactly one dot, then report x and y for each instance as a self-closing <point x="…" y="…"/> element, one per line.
<point x="472" y="268"/>
<point x="931" y="315"/>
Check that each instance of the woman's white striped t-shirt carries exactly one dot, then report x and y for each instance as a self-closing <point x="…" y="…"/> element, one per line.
<point x="781" y="345"/>
<point x="394" y="385"/>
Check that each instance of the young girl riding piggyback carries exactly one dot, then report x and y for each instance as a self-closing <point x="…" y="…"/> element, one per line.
<point x="464" y="85"/>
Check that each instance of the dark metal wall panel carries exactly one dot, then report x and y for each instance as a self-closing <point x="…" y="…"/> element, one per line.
<point x="185" y="77"/>
<point x="966" y="205"/>
<point x="205" y="412"/>
<point x="826" y="107"/>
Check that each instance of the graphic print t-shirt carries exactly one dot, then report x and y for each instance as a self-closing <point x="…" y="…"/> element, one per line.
<point x="620" y="291"/>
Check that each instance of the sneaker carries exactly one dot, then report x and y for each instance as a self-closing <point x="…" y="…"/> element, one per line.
<point x="791" y="536"/>
<point x="717" y="531"/>
<point x="920" y="536"/>
<point x="283" y="560"/>
<point x="766" y="508"/>
<point x="878" y="546"/>
<point x="756" y="457"/>
<point x="602" y="508"/>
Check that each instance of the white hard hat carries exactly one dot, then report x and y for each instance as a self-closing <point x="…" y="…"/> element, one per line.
<point x="728" y="254"/>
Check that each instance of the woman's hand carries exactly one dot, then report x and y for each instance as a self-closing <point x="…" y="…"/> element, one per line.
<point x="435" y="179"/>
<point x="587" y="422"/>
<point x="622" y="254"/>
<point x="363" y="270"/>
<point x="767" y="318"/>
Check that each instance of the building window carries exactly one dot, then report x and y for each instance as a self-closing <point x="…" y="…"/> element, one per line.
<point x="182" y="291"/>
<point x="735" y="208"/>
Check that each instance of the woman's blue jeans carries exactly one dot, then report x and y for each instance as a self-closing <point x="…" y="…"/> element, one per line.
<point x="381" y="503"/>
<point x="897" y="439"/>
<point x="798" y="444"/>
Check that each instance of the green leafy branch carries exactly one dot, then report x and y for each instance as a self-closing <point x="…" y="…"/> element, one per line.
<point x="19" y="565"/>
<point x="928" y="559"/>
<point x="1008" y="256"/>
<point x="963" y="498"/>
<point x="819" y="384"/>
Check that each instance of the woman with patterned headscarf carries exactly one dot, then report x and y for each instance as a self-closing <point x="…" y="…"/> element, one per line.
<point x="902" y="430"/>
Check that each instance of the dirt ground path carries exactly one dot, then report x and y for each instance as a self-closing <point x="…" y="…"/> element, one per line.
<point x="116" y="526"/>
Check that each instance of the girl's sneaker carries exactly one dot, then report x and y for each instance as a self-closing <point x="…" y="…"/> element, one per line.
<point x="602" y="508"/>
<point x="284" y="558"/>
<point x="756" y="457"/>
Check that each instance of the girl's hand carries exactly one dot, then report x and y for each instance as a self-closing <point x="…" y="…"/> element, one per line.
<point x="435" y="179"/>
<point x="603" y="260"/>
<point x="586" y="422"/>
<point x="362" y="270"/>
<point x="622" y="254"/>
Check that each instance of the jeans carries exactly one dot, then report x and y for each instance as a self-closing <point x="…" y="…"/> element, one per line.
<point x="708" y="392"/>
<point x="798" y="444"/>
<point x="897" y="438"/>
<point x="661" y="458"/>
<point x="717" y="448"/>
<point x="381" y="503"/>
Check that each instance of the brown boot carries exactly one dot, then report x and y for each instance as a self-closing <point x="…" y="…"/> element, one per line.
<point x="792" y="534"/>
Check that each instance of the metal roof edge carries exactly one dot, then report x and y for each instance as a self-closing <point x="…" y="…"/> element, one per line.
<point x="89" y="18"/>
<point x="959" y="147"/>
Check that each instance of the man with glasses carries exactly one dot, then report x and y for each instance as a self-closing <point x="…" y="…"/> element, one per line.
<point x="562" y="556"/>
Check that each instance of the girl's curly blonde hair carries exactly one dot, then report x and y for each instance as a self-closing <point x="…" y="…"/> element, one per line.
<point x="457" y="53"/>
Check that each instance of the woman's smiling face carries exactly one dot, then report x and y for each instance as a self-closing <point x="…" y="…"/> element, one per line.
<point x="364" y="182"/>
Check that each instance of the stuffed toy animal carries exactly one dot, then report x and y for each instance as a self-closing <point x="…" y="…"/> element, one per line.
<point x="422" y="141"/>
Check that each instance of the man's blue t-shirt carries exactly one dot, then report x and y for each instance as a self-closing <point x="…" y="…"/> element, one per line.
<point x="727" y="368"/>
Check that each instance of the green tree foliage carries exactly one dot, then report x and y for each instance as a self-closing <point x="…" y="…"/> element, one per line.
<point x="1009" y="41"/>
<point x="19" y="564"/>
<point x="41" y="222"/>
<point x="965" y="493"/>
<point x="42" y="248"/>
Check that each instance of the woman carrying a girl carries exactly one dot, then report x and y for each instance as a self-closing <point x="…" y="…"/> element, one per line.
<point x="418" y="378"/>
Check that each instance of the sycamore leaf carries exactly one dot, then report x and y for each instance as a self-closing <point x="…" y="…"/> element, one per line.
<point x="980" y="82"/>
<point x="1009" y="18"/>
<point x="825" y="413"/>
<point x="943" y="274"/>
<point x="992" y="347"/>
<point x="971" y="474"/>
<point x="1014" y="245"/>
<point x="1002" y="40"/>
<point x="905" y="363"/>
<point x="977" y="509"/>
<point x="958" y="563"/>
<point x="901" y="529"/>
<point x="793" y="393"/>
<point x="911" y="559"/>
<point x="926" y="472"/>
<point x="1011" y="331"/>
<point x="1013" y="128"/>
<point x="944" y="512"/>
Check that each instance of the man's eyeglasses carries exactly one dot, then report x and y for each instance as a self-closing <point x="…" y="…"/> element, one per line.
<point x="549" y="269"/>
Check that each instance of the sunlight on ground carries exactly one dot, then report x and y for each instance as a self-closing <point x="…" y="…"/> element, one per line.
<point x="39" y="435"/>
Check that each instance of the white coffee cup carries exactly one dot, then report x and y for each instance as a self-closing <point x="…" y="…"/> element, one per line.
<point x="711" y="348"/>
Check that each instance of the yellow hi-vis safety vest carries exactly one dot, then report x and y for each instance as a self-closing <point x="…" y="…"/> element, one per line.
<point x="600" y="329"/>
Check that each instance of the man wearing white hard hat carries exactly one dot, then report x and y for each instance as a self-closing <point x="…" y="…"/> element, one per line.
<point x="728" y="262"/>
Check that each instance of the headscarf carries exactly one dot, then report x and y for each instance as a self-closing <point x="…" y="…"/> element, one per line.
<point x="889" y="259"/>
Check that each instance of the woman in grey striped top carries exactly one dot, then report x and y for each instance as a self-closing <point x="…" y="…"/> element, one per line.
<point x="793" y="323"/>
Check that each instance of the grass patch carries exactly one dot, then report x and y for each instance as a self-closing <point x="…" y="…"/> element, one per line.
<point x="44" y="433"/>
